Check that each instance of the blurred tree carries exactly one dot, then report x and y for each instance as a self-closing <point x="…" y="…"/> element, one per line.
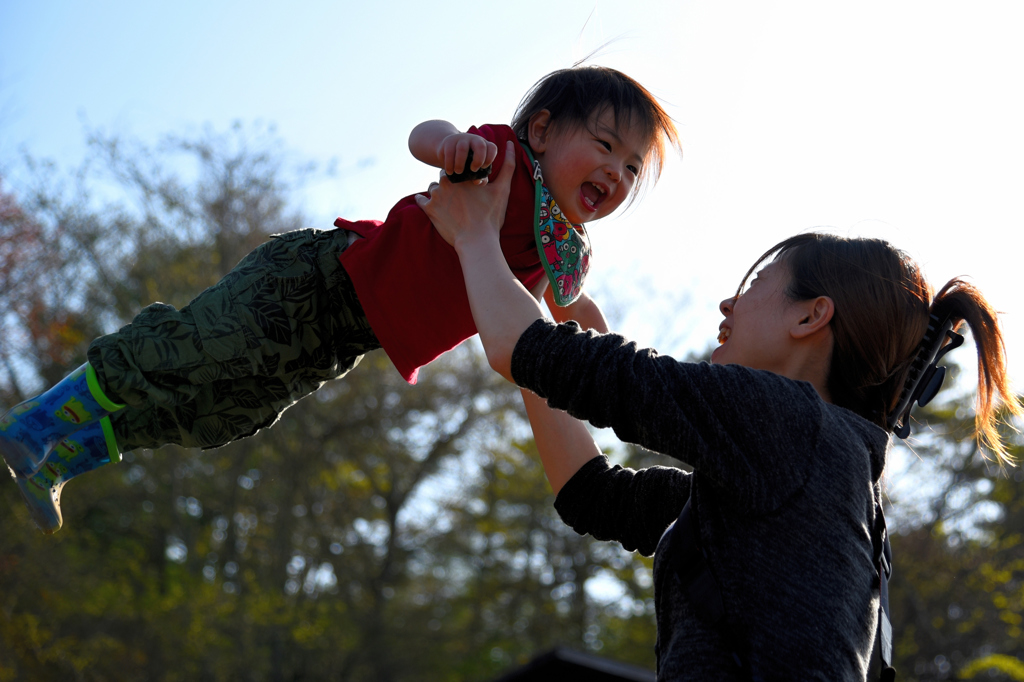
<point x="377" y="532"/>
<point x="958" y="584"/>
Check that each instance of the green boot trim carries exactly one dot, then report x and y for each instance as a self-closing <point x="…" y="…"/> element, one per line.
<point x="113" y="452"/>
<point x="97" y="392"/>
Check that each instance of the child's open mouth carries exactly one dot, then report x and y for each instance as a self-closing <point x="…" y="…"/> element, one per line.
<point x="592" y="195"/>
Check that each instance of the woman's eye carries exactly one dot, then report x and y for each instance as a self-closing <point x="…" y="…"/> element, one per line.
<point x="606" y="145"/>
<point x="633" y="169"/>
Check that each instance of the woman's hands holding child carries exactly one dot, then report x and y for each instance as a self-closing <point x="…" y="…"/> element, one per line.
<point x="462" y="212"/>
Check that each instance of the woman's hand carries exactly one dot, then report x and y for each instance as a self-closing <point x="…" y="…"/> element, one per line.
<point x="467" y="211"/>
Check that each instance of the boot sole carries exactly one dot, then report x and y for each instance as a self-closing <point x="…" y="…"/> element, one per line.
<point x="47" y="520"/>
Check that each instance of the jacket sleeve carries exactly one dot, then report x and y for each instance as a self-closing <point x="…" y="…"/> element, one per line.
<point x="747" y="432"/>
<point x="616" y="503"/>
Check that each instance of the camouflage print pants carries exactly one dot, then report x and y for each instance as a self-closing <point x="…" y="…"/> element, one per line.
<point x="278" y="326"/>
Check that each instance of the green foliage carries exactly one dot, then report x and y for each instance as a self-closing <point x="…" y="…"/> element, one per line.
<point x="958" y="585"/>
<point x="1008" y="665"/>
<point x="377" y="532"/>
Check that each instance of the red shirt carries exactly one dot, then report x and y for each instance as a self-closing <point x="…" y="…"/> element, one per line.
<point x="409" y="280"/>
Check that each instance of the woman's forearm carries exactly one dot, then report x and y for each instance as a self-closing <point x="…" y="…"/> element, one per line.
<point x="584" y="311"/>
<point x="501" y="305"/>
<point x="563" y="442"/>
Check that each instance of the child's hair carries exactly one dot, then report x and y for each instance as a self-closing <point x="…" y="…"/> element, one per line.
<point x="882" y="306"/>
<point x="573" y="96"/>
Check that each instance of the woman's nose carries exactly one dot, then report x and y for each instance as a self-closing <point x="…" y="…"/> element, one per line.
<point x="726" y="305"/>
<point x="614" y="172"/>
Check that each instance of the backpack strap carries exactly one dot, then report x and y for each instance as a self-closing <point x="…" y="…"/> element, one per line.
<point x="883" y="565"/>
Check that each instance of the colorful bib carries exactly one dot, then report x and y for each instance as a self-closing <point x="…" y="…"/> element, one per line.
<point x="563" y="246"/>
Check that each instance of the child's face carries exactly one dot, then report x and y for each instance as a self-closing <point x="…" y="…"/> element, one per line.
<point x="589" y="170"/>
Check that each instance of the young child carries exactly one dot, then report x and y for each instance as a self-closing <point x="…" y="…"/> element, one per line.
<point x="304" y="307"/>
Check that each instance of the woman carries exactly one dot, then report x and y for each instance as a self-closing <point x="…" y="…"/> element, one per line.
<point x="787" y="432"/>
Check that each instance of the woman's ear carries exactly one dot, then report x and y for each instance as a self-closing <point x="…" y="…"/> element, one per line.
<point x="538" y="129"/>
<point x="816" y="315"/>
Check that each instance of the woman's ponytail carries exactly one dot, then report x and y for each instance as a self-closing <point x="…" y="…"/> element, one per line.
<point x="961" y="300"/>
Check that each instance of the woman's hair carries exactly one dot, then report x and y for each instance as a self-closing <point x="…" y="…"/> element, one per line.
<point x="575" y="96"/>
<point x="882" y="307"/>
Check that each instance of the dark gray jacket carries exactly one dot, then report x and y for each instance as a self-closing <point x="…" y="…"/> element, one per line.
<point x="785" y="485"/>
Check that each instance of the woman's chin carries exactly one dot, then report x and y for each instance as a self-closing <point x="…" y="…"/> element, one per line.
<point x="716" y="355"/>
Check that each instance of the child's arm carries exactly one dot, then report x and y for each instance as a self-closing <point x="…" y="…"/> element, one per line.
<point x="584" y="311"/>
<point x="440" y="144"/>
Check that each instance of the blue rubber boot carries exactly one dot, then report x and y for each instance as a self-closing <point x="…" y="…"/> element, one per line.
<point x="89" y="448"/>
<point x="30" y="430"/>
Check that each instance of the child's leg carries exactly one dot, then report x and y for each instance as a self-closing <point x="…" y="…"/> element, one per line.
<point x="277" y="327"/>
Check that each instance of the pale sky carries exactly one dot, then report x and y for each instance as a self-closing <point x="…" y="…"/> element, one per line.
<point x="901" y="120"/>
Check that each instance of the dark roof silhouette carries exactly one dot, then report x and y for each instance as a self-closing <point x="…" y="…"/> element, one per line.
<point x="566" y="665"/>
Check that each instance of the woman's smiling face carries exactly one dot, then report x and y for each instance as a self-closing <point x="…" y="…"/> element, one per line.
<point x="756" y="330"/>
